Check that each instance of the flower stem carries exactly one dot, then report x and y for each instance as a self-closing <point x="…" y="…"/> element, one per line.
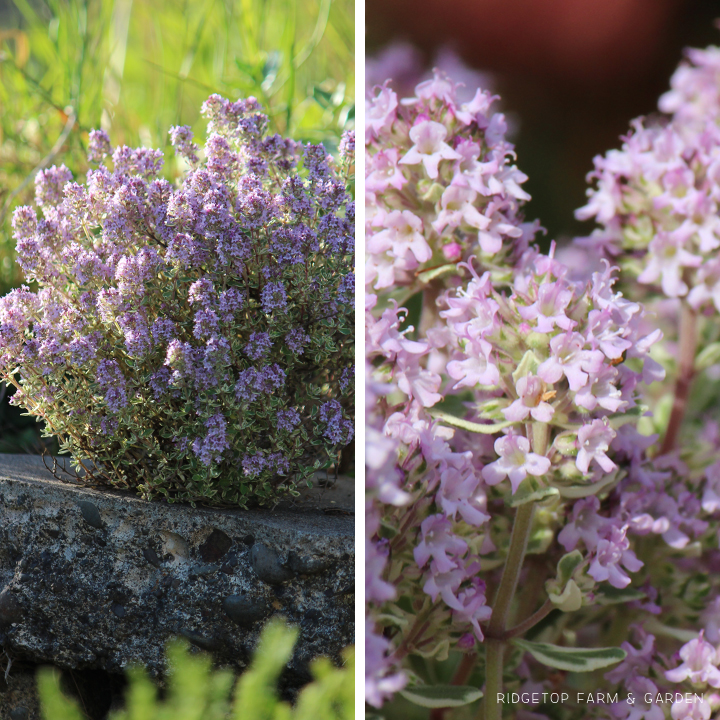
<point x="501" y="609"/>
<point x="419" y="627"/>
<point x="511" y="573"/>
<point x="491" y="708"/>
<point x="530" y="622"/>
<point x="687" y="347"/>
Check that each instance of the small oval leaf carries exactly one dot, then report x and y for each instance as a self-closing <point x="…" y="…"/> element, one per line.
<point x="431" y="273"/>
<point x="441" y="696"/>
<point x="529" y="491"/>
<point x="609" y="595"/>
<point x="457" y="422"/>
<point x="580" y="491"/>
<point x="572" y="659"/>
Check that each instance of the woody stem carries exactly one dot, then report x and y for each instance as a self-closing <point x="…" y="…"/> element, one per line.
<point x="687" y="347"/>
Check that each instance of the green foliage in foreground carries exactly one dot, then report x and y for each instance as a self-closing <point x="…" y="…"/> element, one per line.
<point x="196" y="692"/>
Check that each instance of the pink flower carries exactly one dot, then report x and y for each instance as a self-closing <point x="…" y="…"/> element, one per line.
<point x="403" y="234"/>
<point x="380" y="112"/>
<point x="568" y="358"/>
<point x="549" y="308"/>
<point x="710" y="618"/>
<point x="439" y="87"/>
<point x="445" y="584"/>
<point x="459" y="493"/>
<point x="531" y="390"/>
<point x="452" y="251"/>
<point x="609" y="555"/>
<point x="585" y="525"/>
<point x="458" y="208"/>
<point x="385" y="172"/>
<point x="377" y="589"/>
<point x="691" y="709"/>
<point x="476" y="368"/>
<point x="666" y="260"/>
<point x="708" y="287"/>
<point x="594" y="441"/>
<point x="636" y="706"/>
<point x="699" y="665"/>
<point x="516" y="462"/>
<point x="636" y="662"/>
<point x="474" y="606"/>
<point x="415" y="381"/>
<point x="382" y="678"/>
<point x="437" y="541"/>
<point x="429" y="148"/>
<point x="601" y="390"/>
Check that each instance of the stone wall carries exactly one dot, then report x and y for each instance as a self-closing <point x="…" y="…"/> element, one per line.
<point x="96" y="580"/>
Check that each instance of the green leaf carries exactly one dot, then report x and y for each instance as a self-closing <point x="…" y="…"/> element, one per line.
<point x="619" y="419"/>
<point x="430" y="274"/>
<point x="581" y="491"/>
<point x="457" y="422"/>
<point x="609" y="595"/>
<point x="440" y="696"/>
<point x="572" y="659"/>
<point x="530" y="490"/>
<point x="570" y="599"/>
<point x="387" y="531"/>
<point x="568" y="563"/>
<point x="563" y="591"/>
<point x="708" y="356"/>
<point x="528" y="366"/>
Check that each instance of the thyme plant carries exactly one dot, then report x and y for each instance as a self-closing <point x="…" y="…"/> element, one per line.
<point x="193" y="342"/>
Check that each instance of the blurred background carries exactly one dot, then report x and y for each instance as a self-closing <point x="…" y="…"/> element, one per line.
<point x="135" y="68"/>
<point x="571" y="73"/>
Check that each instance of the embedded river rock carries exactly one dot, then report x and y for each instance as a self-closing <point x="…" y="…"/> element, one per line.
<point x="102" y="579"/>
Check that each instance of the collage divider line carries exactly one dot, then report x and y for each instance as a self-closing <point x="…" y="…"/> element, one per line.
<point x="359" y="362"/>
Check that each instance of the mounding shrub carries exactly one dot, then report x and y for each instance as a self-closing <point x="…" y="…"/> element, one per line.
<point x="191" y="341"/>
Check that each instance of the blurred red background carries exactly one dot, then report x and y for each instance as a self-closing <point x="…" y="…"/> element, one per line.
<point x="572" y="72"/>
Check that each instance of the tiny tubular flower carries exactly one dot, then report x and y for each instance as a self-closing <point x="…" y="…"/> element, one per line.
<point x="516" y="462"/>
<point x="700" y="660"/>
<point x="533" y="394"/>
<point x="429" y="147"/>
<point x="594" y="442"/>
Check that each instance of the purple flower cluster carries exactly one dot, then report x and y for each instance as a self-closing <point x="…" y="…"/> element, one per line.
<point x="181" y="137"/>
<point x="112" y="382"/>
<point x="440" y="184"/>
<point x="517" y="405"/>
<point x="288" y="419"/>
<point x="657" y="198"/>
<point x="338" y="429"/>
<point x="210" y="448"/>
<point x="259" y="345"/>
<point x="274" y="297"/>
<point x="196" y="329"/>
<point x="253" y="383"/>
